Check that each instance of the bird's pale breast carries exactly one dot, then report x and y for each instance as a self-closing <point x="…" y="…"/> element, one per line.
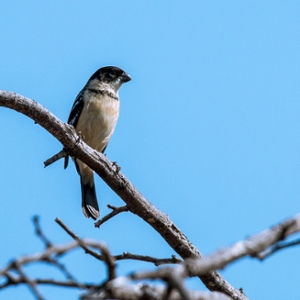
<point x="101" y="115"/>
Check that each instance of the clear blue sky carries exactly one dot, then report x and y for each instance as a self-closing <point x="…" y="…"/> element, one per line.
<point x="208" y="131"/>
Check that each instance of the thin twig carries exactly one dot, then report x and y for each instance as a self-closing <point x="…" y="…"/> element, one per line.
<point x="146" y="258"/>
<point x="31" y="284"/>
<point x="48" y="244"/>
<point x="116" y="211"/>
<point x="61" y="154"/>
<point x="75" y="237"/>
<point x="106" y="256"/>
<point x="39" y="232"/>
<point x="72" y="284"/>
<point x="279" y="246"/>
<point x="110" y="263"/>
<point x="63" y="269"/>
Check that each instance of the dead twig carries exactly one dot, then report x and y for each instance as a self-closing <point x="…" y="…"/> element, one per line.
<point x="146" y="258"/>
<point x="55" y="157"/>
<point x="279" y="246"/>
<point x="116" y="211"/>
<point x="252" y="246"/>
<point x="106" y="256"/>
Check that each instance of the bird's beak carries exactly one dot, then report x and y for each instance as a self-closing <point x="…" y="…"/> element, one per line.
<point x="125" y="77"/>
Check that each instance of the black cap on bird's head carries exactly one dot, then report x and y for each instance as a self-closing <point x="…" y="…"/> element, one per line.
<point x="111" y="74"/>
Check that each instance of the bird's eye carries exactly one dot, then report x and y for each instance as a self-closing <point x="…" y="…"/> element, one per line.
<point x="112" y="74"/>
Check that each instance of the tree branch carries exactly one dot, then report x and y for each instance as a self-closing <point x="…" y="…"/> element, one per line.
<point x="116" y="211"/>
<point x="173" y="276"/>
<point x="76" y="238"/>
<point x="125" y="255"/>
<point x="122" y="288"/>
<point x="279" y="246"/>
<point x="52" y="260"/>
<point x="252" y="246"/>
<point x="110" y="173"/>
<point x="39" y="232"/>
<point x="61" y="154"/>
<point x="146" y="258"/>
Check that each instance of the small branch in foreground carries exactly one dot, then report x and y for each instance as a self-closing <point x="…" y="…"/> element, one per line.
<point x="110" y="263"/>
<point x="146" y="258"/>
<point x="52" y="260"/>
<point x="123" y="288"/>
<point x="252" y="246"/>
<point x="72" y="284"/>
<point x="31" y="284"/>
<point x="172" y="276"/>
<point x="76" y="238"/>
<point x="125" y="255"/>
<point x="106" y="256"/>
<point x="39" y="232"/>
<point x="116" y="211"/>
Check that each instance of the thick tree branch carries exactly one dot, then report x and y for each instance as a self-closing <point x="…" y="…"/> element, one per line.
<point x="111" y="174"/>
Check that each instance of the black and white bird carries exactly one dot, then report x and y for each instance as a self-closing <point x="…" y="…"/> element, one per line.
<point x="94" y="115"/>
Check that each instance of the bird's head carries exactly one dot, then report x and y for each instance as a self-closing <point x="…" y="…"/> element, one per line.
<point x="113" y="76"/>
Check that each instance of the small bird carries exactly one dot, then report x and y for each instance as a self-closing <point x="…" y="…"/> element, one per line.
<point x="94" y="115"/>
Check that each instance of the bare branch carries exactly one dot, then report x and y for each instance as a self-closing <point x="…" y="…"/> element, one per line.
<point x="116" y="210"/>
<point x="39" y="232"/>
<point x="106" y="256"/>
<point x="76" y="238"/>
<point x="61" y="154"/>
<point x="62" y="268"/>
<point x="172" y="276"/>
<point x="28" y="281"/>
<point x="146" y="258"/>
<point x="125" y="255"/>
<point x="48" y="244"/>
<point x="111" y="174"/>
<point x="72" y="284"/>
<point x="279" y="246"/>
<point x="110" y="263"/>
<point x="43" y="256"/>
<point x="122" y="288"/>
<point x="252" y="246"/>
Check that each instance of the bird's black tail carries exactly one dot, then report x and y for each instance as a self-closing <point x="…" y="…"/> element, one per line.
<point x="90" y="206"/>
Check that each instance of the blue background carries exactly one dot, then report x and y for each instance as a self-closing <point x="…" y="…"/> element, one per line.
<point x="208" y="131"/>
